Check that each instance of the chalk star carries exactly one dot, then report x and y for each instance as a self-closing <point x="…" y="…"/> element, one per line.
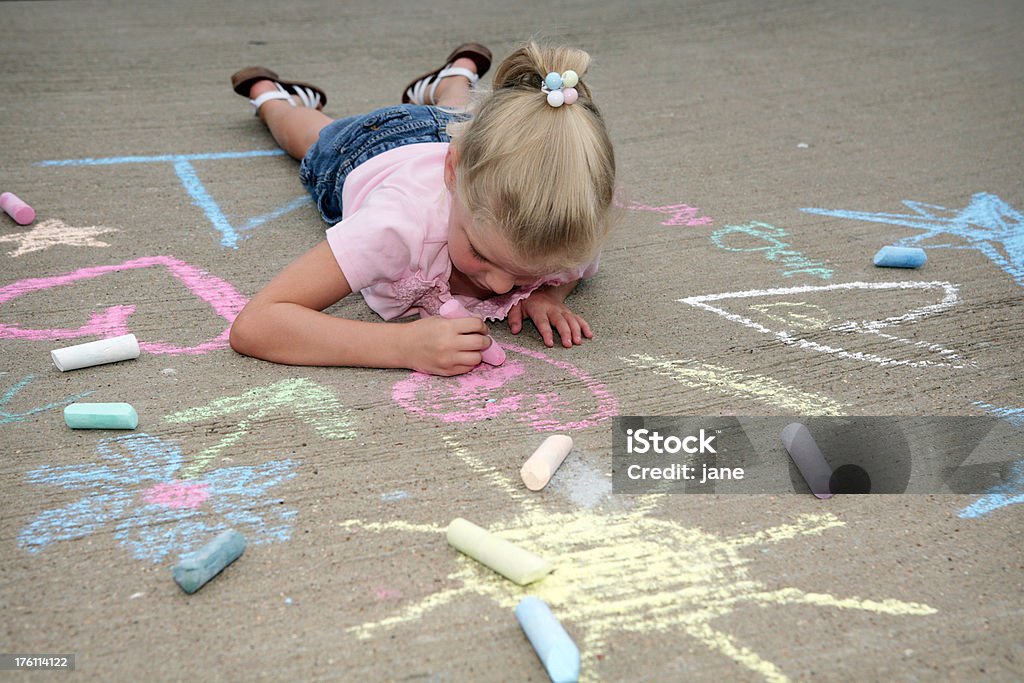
<point x="987" y="224"/>
<point x="53" y="232"/>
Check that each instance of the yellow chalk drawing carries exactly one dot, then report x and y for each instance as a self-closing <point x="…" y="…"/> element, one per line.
<point x="629" y="572"/>
<point x="797" y="315"/>
<point x="308" y="401"/>
<point x="718" y="379"/>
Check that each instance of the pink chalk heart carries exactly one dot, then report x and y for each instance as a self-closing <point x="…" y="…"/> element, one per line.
<point x="491" y="392"/>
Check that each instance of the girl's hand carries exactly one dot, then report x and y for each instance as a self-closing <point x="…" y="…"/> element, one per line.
<point x="547" y="310"/>
<point x="446" y="347"/>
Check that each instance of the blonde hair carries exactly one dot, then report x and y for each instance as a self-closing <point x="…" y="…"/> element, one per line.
<point x="543" y="176"/>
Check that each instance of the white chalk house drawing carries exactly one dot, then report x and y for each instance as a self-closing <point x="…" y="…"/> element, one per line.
<point x="811" y="318"/>
<point x="628" y="572"/>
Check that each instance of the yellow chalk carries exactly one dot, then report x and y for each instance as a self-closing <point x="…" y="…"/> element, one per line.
<point x="539" y="468"/>
<point x="507" y="559"/>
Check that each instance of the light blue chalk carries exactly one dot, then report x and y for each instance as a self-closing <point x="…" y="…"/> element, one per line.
<point x="553" y="645"/>
<point x="198" y="567"/>
<point x="101" y="416"/>
<point x="900" y="257"/>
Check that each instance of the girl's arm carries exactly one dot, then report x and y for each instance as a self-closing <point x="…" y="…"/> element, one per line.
<point x="546" y="308"/>
<point x="283" y="323"/>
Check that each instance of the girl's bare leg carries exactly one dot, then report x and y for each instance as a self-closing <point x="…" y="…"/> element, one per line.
<point x="453" y="91"/>
<point x="294" y="128"/>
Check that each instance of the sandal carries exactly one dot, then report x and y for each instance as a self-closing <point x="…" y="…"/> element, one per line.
<point x="421" y="90"/>
<point x="310" y="95"/>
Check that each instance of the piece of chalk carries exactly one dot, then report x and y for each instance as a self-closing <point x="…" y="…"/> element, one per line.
<point x="452" y="309"/>
<point x="539" y="467"/>
<point x="504" y="557"/>
<point x="101" y="416"/>
<point x="99" y="352"/>
<point x="22" y="213"/>
<point x="196" y="568"/>
<point x="553" y="645"/>
<point x="900" y="257"/>
<point x="808" y="458"/>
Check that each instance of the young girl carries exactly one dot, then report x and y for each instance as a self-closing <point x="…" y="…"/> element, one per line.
<point x="505" y="218"/>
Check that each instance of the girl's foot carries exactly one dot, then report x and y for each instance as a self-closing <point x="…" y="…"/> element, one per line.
<point x="253" y="82"/>
<point x="450" y="84"/>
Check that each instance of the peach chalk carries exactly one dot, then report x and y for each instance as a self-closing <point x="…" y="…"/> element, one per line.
<point x="452" y="309"/>
<point x="540" y="467"/>
<point x="22" y="213"/>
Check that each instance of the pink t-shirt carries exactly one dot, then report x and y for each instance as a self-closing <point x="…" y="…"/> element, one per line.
<point x="392" y="241"/>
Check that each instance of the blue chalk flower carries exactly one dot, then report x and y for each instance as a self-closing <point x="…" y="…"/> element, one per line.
<point x="134" y="489"/>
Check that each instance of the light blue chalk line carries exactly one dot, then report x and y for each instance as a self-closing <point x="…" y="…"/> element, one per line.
<point x="172" y="158"/>
<point x="230" y="235"/>
<point x="7" y="417"/>
<point x="201" y="198"/>
<point x="1009" y="493"/>
<point x="257" y="221"/>
<point x="1014" y="416"/>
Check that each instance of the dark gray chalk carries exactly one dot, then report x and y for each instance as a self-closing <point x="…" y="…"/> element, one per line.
<point x="196" y="568"/>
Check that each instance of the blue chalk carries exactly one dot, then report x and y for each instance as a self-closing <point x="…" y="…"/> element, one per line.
<point x="196" y="568"/>
<point x="900" y="257"/>
<point x="553" y="645"/>
<point x="101" y="416"/>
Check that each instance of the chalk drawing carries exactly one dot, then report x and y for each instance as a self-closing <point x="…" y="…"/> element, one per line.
<point x="490" y="392"/>
<point x="1010" y="492"/>
<point x="630" y="572"/>
<point x="7" y="416"/>
<point x="716" y="379"/>
<point x="394" y="496"/>
<point x="308" y="401"/>
<point x="52" y="232"/>
<point x="221" y="296"/>
<point x="231" y="234"/>
<point x="775" y="249"/>
<point x="134" y="493"/>
<point x="987" y="224"/>
<point x="797" y="314"/>
<point x="679" y="214"/>
<point x="923" y="353"/>
<point x="1014" y="416"/>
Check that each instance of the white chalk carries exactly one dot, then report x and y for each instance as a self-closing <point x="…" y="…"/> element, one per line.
<point x="22" y="213"/>
<point x="99" y="352"/>
<point x="808" y="458"/>
<point x="506" y="558"/>
<point x="550" y="641"/>
<point x="539" y="467"/>
<point x="452" y="309"/>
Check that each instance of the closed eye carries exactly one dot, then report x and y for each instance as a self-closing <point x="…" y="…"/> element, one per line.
<point x="476" y="254"/>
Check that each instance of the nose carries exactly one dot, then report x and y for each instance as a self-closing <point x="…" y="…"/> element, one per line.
<point x="500" y="282"/>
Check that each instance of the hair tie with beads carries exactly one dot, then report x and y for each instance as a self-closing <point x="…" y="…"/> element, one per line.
<point x="561" y="88"/>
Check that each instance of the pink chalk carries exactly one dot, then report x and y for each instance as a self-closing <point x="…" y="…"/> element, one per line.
<point x="493" y="354"/>
<point x="22" y="213"/>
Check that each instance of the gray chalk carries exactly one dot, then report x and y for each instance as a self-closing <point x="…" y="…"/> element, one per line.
<point x="196" y="568"/>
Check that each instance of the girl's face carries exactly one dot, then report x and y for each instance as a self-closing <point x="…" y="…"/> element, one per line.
<point x="483" y="257"/>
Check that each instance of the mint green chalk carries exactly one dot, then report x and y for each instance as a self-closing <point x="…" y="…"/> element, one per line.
<point x="101" y="416"/>
<point x="196" y="568"/>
